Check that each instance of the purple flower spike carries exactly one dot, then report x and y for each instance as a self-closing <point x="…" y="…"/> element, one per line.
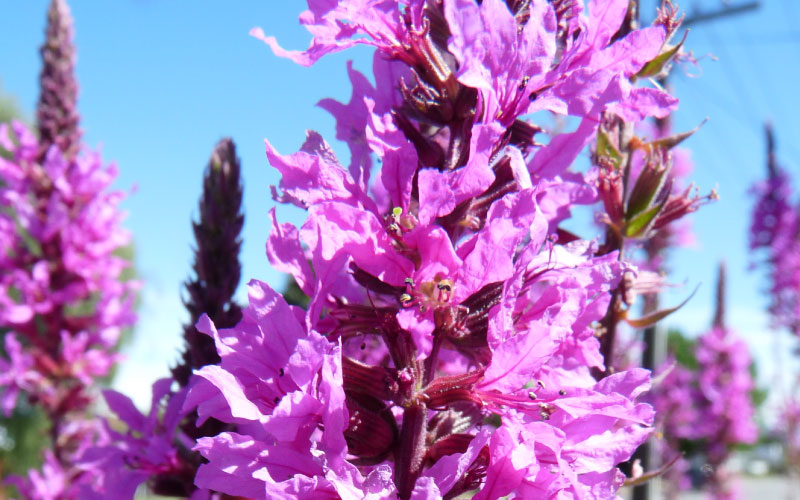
<point x="712" y="404"/>
<point x="454" y="327"/>
<point x="775" y="229"/>
<point x="60" y="280"/>
<point x="57" y="112"/>
<point x="216" y="265"/>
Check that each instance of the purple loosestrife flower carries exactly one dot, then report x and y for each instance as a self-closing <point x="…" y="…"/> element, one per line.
<point x="675" y="400"/>
<point x="450" y="336"/>
<point x="775" y="228"/>
<point x="62" y="299"/>
<point x="61" y="479"/>
<point x="159" y="451"/>
<point x="60" y="284"/>
<point x="294" y="403"/>
<point x="63" y="302"/>
<point x="711" y="404"/>
<point x="774" y="222"/>
<point x="725" y="379"/>
<point x="53" y="482"/>
<point x="286" y="391"/>
<point x="146" y="449"/>
<point x="18" y="374"/>
<point x="727" y="410"/>
<point x="560" y="59"/>
<point x="216" y="265"/>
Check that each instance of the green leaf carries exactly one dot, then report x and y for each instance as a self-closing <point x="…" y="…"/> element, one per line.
<point x="639" y="224"/>
<point x="607" y="150"/>
<point x="654" y="317"/>
<point x="647" y="186"/>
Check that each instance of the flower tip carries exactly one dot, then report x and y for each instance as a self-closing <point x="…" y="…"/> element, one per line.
<point x="257" y="32"/>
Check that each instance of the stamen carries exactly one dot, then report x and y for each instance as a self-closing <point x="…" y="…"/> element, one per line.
<point x="523" y="83"/>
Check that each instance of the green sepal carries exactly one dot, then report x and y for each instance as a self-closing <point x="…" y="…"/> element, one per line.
<point x="657" y="65"/>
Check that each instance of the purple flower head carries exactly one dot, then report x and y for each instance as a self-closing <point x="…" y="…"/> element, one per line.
<point x="18" y="374"/>
<point x="59" y="478"/>
<point x="711" y="404"/>
<point x="469" y="64"/>
<point x="63" y="301"/>
<point x="280" y="387"/>
<point x="430" y="304"/>
<point x="52" y="482"/>
<point x="726" y="382"/>
<point x="774" y="221"/>
<point x="452" y="332"/>
<point x="216" y="263"/>
<point x="148" y="448"/>
<point x="775" y="228"/>
<point x="505" y="63"/>
<point x="60" y="280"/>
<point x="283" y="386"/>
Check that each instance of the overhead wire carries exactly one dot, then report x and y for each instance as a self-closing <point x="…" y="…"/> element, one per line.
<point x="764" y="89"/>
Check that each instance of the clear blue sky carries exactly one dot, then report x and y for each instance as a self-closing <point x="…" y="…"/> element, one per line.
<point x="161" y="81"/>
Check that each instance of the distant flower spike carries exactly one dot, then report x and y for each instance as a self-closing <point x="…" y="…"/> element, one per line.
<point x="57" y="112"/>
<point x="216" y="266"/>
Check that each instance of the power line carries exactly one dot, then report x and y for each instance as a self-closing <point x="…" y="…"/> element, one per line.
<point x="735" y="79"/>
<point x="763" y="38"/>
<point x="725" y="11"/>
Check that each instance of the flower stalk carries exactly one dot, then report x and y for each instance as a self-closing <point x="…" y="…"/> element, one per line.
<point x="57" y="115"/>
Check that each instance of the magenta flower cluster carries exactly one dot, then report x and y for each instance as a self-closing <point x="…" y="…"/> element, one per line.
<point x="457" y="340"/>
<point x="450" y="337"/>
<point x="775" y="230"/>
<point x="710" y="405"/>
<point x="61" y="297"/>
<point x="62" y="300"/>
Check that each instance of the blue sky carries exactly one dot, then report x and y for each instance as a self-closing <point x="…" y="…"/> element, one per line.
<point x="161" y="82"/>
